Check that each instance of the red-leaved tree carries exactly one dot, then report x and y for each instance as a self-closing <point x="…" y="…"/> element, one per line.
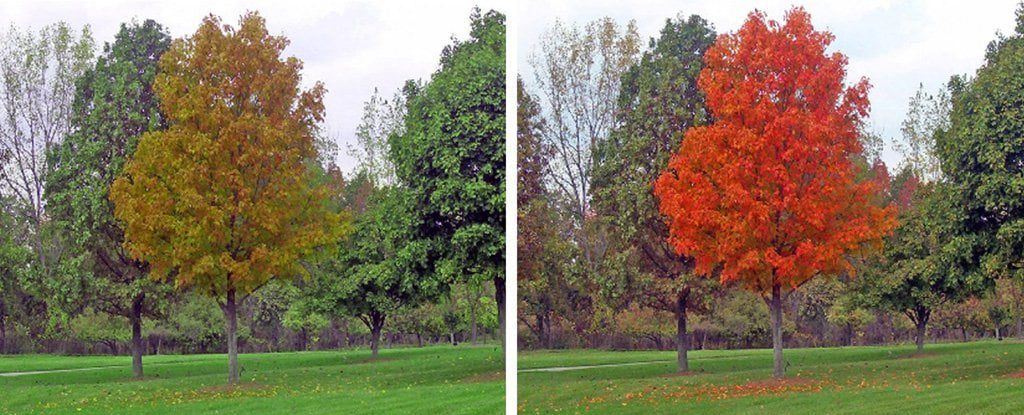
<point x="767" y="195"/>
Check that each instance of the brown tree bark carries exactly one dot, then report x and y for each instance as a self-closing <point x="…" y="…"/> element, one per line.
<point x="231" y="315"/>
<point x="3" y="331"/>
<point x="775" y="307"/>
<point x="921" y="323"/>
<point x="472" y="318"/>
<point x="137" y="347"/>
<point x="499" y="298"/>
<point x="376" y="325"/>
<point x="682" y="338"/>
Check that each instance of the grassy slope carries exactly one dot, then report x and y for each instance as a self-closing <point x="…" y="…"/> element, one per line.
<point x="969" y="378"/>
<point x="462" y="380"/>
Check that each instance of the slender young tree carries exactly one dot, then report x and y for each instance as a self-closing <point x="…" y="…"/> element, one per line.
<point x="578" y="73"/>
<point x="926" y="115"/>
<point x="766" y="195"/>
<point x="226" y="198"/>
<point x="382" y="118"/>
<point x="36" y="95"/>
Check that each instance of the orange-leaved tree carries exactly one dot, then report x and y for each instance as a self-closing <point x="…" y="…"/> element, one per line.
<point x="766" y="196"/>
<point x="227" y="198"/>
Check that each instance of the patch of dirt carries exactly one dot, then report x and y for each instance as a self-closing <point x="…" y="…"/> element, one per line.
<point x="922" y="355"/>
<point x="1016" y="375"/>
<point x="486" y="377"/>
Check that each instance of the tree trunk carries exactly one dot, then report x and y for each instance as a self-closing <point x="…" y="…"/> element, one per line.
<point x="451" y="337"/>
<point x="499" y="297"/>
<point x="3" y="333"/>
<point x="376" y="325"/>
<point x="374" y="342"/>
<point x="542" y="330"/>
<point x="419" y="340"/>
<point x="921" y="323"/>
<point x="849" y="334"/>
<point x="472" y="317"/>
<point x="682" y="339"/>
<point x="231" y="315"/>
<point x="776" y="316"/>
<point x="137" y="346"/>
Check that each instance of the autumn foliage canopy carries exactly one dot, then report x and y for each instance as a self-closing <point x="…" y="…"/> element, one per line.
<point x="768" y="194"/>
<point x="224" y="199"/>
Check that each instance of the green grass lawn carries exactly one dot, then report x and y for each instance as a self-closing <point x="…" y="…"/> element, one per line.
<point x="439" y="380"/>
<point x="952" y="378"/>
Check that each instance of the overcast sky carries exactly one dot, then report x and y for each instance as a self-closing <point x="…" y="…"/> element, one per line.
<point x="352" y="46"/>
<point x="895" y="44"/>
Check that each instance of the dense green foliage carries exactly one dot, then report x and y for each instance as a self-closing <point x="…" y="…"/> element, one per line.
<point x="912" y="276"/>
<point x="451" y="158"/>
<point x="378" y="271"/>
<point x="982" y="154"/>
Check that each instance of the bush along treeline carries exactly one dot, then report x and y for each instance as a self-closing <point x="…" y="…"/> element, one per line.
<point x="723" y="191"/>
<point x="181" y="196"/>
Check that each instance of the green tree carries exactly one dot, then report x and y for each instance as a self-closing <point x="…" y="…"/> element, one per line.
<point x="846" y="313"/>
<point x="91" y="326"/>
<point x="195" y="323"/>
<point x="424" y="320"/>
<point x="451" y="157"/>
<point x="380" y="268"/>
<point x="913" y="277"/>
<point x="308" y="323"/>
<point x="659" y="99"/>
<point x="269" y="306"/>
<point x="114" y="105"/>
<point x="14" y="258"/>
<point x="981" y="156"/>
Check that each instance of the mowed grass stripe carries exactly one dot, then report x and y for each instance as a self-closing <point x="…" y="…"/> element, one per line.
<point x="288" y="383"/>
<point x="948" y="378"/>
